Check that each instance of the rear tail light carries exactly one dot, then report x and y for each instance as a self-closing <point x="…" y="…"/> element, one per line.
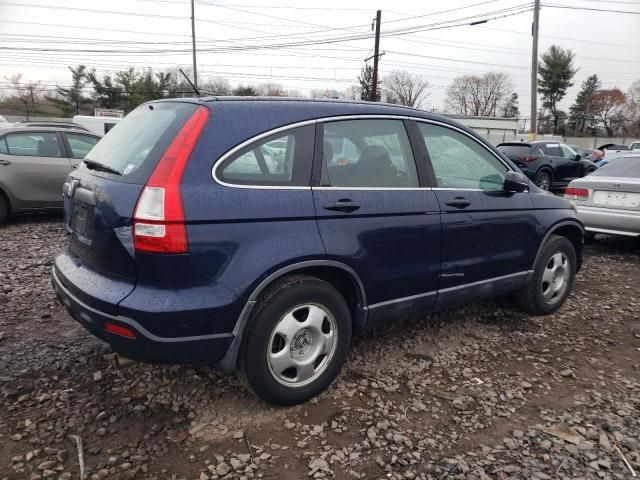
<point x="528" y="158"/>
<point x="158" y="220"/>
<point x="576" y="193"/>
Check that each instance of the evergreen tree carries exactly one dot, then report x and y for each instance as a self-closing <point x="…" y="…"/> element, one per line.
<point x="366" y="84"/>
<point x="580" y="118"/>
<point x="556" y="72"/>
<point x="71" y="101"/>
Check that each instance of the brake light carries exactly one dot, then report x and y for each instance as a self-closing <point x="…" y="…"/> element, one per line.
<point x="528" y="158"/>
<point x="576" y="193"/>
<point x="118" y="330"/>
<point x="158" y="220"/>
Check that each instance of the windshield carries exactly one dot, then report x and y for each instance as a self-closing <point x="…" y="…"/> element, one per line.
<point x="622" y="167"/>
<point x="134" y="145"/>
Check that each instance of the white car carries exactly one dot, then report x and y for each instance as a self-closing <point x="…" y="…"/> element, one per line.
<point x="608" y="200"/>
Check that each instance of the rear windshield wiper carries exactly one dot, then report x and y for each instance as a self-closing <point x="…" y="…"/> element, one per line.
<point x="93" y="165"/>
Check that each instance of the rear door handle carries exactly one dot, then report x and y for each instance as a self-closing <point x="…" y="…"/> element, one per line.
<point x="458" y="202"/>
<point x="342" y="205"/>
<point x="5" y="162"/>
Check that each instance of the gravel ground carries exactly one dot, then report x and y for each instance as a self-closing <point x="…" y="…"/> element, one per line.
<point x="478" y="392"/>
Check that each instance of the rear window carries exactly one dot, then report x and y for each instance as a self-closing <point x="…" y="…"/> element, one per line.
<point x="135" y="144"/>
<point x="622" y="167"/>
<point x="515" y="150"/>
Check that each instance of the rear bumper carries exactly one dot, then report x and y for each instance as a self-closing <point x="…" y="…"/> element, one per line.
<point x="145" y="346"/>
<point x="608" y="220"/>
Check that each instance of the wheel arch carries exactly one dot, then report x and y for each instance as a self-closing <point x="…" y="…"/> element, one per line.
<point x="573" y="231"/>
<point x="338" y="274"/>
<point x="5" y="196"/>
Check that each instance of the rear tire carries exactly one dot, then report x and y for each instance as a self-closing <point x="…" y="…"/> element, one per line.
<point x="543" y="180"/>
<point x="4" y="210"/>
<point x="296" y="342"/>
<point x="553" y="275"/>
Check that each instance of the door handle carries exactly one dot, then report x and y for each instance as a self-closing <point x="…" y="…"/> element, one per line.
<point x="5" y="162"/>
<point x="458" y="202"/>
<point x="342" y="205"/>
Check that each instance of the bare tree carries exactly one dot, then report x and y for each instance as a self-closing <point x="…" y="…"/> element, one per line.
<point x="632" y="109"/>
<point x="271" y="89"/>
<point x="406" y="89"/>
<point x="478" y="96"/>
<point x="217" y="86"/>
<point x="28" y="93"/>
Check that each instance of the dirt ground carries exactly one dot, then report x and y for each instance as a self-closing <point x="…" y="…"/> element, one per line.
<point x="482" y="391"/>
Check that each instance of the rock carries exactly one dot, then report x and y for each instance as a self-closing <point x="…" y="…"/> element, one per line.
<point x="371" y="434"/>
<point x="236" y="464"/>
<point x="97" y="376"/>
<point x="238" y="434"/>
<point x="604" y="442"/>
<point x="223" y="469"/>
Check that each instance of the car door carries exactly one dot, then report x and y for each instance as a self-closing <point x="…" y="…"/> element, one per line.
<point x="78" y="145"/>
<point x="375" y="214"/>
<point x="557" y="161"/>
<point x="34" y="168"/>
<point x="488" y="234"/>
<point x="571" y="168"/>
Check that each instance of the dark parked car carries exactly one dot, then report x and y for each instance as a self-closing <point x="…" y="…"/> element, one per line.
<point x="259" y="234"/>
<point x="549" y="164"/>
<point x="613" y="146"/>
<point x="34" y="163"/>
<point x="592" y="154"/>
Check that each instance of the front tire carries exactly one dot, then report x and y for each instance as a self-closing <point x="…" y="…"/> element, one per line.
<point x="553" y="275"/>
<point x="296" y="342"/>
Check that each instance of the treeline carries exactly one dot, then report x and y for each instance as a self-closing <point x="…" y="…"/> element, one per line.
<point x="125" y="90"/>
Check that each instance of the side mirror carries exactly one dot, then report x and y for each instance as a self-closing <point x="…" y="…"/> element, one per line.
<point x="578" y="157"/>
<point x="516" y="182"/>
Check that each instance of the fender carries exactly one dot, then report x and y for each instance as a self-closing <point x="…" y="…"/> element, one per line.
<point x="228" y="362"/>
<point x="565" y="223"/>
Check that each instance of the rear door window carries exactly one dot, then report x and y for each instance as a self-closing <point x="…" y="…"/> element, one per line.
<point x="551" y="150"/>
<point x="283" y="159"/>
<point x="136" y="143"/>
<point x="80" y="144"/>
<point x="43" y="144"/>
<point x="367" y="154"/>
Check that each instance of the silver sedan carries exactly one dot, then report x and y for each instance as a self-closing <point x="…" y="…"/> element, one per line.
<point x="608" y="200"/>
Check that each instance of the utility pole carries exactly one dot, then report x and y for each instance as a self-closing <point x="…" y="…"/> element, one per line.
<point x="376" y="55"/>
<point x="193" y="45"/>
<point x="534" y="68"/>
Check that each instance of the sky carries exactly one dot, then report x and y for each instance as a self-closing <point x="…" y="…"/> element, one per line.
<point x="308" y="45"/>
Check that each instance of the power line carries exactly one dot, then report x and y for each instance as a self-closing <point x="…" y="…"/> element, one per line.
<point x="590" y="9"/>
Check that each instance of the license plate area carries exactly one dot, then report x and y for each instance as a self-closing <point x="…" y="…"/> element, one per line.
<point x="81" y="220"/>
<point x="616" y="199"/>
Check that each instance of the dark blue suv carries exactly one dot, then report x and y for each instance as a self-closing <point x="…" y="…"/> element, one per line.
<point x="259" y="234"/>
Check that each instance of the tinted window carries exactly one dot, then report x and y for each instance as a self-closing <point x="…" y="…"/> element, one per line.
<point x="459" y="161"/>
<point x="283" y="159"/>
<point x="135" y="144"/>
<point x="515" y="150"/>
<point x="367" y="154"/>
<point x="550" y="150"/>
<point x="80" y="144"/>
<point x="622" y="167"/>
<point x="35" y="144"/>
<point x="3" y="146"/>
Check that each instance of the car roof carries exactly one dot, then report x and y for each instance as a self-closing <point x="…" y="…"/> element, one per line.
<point x="43" y="123"/>
<point x="329" y="107"/>
<point x="33" y="129"/>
